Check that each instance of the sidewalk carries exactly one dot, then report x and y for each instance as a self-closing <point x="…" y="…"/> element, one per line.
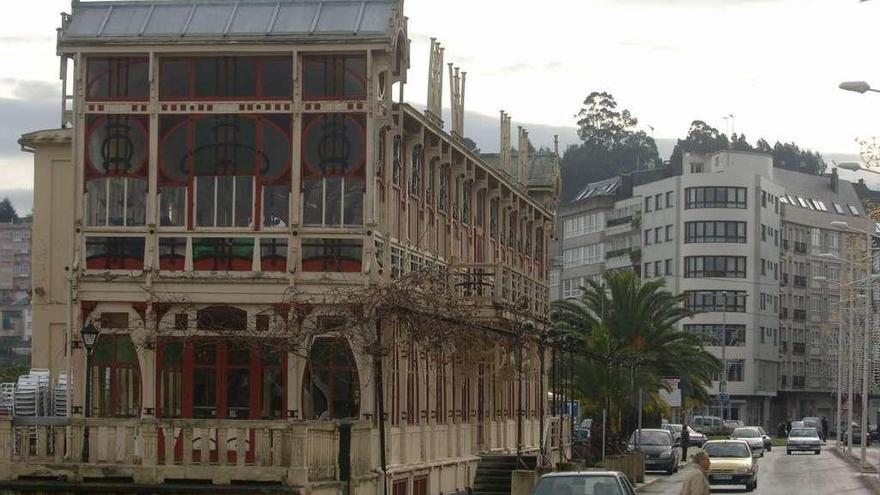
<point x="872" y="455"/>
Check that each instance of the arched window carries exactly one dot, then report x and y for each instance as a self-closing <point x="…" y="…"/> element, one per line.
<point x="416" y="171"/>
<point x="397" y="160"/>
<point x="116" y="378"/>
<point x="331" y="389"/>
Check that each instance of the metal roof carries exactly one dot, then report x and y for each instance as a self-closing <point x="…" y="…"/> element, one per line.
<point x="181" y="19"/>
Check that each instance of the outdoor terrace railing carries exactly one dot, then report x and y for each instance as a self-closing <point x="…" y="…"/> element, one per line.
<point x="151" y="450"/>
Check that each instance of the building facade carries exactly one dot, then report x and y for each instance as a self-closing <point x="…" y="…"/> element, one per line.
<point x="234" y="179"/>
<point x="15" y="286"/>
<point x="745" y="242"/>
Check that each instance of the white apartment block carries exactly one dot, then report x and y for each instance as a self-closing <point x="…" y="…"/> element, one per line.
<point x="742" y="239"/>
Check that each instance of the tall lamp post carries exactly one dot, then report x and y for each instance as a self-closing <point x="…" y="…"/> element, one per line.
<point x="89" y="334"/>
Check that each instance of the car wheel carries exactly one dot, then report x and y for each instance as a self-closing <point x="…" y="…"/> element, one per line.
<point x="769" y="449"/>
<point x="787" y="452"/>
<point x="817" y="452"/>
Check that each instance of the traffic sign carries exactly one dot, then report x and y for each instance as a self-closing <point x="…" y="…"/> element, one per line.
<point x="723" y="397"/>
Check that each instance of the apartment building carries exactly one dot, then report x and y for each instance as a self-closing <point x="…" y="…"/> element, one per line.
<point x="742" y="240"/>
<point x="228" y="175"/>
<point x="15" y="287"/>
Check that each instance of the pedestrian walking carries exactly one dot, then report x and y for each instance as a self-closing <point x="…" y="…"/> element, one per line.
<point x="780" y="429"/>
<point x="696" y="481"/>
<point x="824" y="429"/>
<point x="685" y="439"/>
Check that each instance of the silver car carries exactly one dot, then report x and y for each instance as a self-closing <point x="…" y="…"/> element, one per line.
<point x="800" y="439"/>
<point x="584" y="483"/>
<point x="752" y="436"/>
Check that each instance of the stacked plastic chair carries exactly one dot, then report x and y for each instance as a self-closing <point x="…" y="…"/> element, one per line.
<point x="59" y="396"/>
<point x="7" y="399"/>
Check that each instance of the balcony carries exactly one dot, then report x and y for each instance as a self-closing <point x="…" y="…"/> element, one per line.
<point x="618" y="253"/>
<point x="783" y="314"/>
<point x="798" y="382"/>
<point x="614" y="222"/>
<point x="783" y="280"/>
<point x="498" y="285"/>
<point x="800" y="281"/>
<point x="785" y="244"/>
<point x="149" y="451"/>
<point x="798" y="348"/>
<point x="800" y="247"/>
<point x="800" y="315"/>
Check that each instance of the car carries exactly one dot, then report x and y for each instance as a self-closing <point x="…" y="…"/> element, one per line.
<point x="729" y="425"/>
<point x="752" y="436"/>
<point x="695" y="438"/>
<point x="857" y="436"/>
<point x="662" y="452"/>
<point x="803" y="439"/>
<point x="706" y="423"/>
<point x="768" y="442"/>
<point x="731" y="463"/>
<point x="797" y="424"/>
<point x="814" y="422"/>
<point x="584" y="483"/>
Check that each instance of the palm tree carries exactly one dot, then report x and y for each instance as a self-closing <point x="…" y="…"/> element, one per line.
<point x="630" y="341"/>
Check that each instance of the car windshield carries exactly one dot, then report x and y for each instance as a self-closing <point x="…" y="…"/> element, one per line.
<point x="578" y="485"/>
<point x="746" y="433"/>
<point x="803" y="432"/>
<point x="675" y="428"/>
<point x="653" y="438"/>
<point x="733" y="450"/>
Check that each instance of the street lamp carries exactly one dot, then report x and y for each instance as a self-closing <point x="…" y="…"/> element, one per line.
<point x="860" y="87"/>
<point x="89" y="334"/>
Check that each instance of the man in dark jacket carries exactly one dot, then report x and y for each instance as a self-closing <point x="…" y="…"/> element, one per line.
<point x="824" y="429"/>
<point x="685" y="440"/>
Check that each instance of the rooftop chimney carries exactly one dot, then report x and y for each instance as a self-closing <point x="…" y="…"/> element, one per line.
<point x="435" y="83"/>
<point x="834" y="179"/>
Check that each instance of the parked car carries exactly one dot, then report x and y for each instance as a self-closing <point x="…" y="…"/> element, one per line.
<point x="584" y="483"/>
<point x="803" y="439"/>
<point x="814" y="422"/>
<point x="768" y="442"/>
<point x="857" y="436"/>
<point x="752" y="436"/>
<point x="695" y="438"/>
<point x="797" y="424"/>
<point x="731" y="463"/>
<point x="662" y="452"/>
<point x="706" y="423"/>
<point x="729" y="425"/>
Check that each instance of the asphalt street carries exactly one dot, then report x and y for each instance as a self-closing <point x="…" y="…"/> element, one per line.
<point x="779" y="474"/>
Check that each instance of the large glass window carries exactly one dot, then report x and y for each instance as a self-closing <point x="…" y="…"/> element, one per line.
<point x="715" y="197"/>
<point x="332" y="255"/>
<point x="117" y="79"/>
<point x="712" y="334"/>
<point x="713" y="231"/>
<point x="234" y="254"/>
<point x="172" y="253"/>
<point x="116" y="156"/>
<point x="194" y="372"/>
<point x="334" y="77"/>
<point x="226" y="161"/>
<point x="115" y="253"/>
<point x="333" y="169"/>
<point x="707" y="301"/>
<point x="583" y="224"/>
<point x="116" y="380"/>
<point x="715" y="266"/>
<point x="225" y="78"/>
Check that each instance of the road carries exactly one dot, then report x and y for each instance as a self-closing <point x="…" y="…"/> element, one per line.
<point x="779" y="474"/>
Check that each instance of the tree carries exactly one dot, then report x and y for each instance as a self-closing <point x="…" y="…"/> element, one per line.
<point x="630" y="338"/>
<point x="790" y="156"/>
<point x="7" y="212"/>
<point x="701" y="139"/>
<point x="610" y="145"/>
<point x="471" y="145"/>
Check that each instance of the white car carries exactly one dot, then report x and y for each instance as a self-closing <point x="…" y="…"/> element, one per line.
<point x="752" y="436"/>
<point x="803" y="439"/>
<point x="584" y="483"/>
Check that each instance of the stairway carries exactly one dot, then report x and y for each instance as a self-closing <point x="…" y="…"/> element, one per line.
<point x="493" y="473"/>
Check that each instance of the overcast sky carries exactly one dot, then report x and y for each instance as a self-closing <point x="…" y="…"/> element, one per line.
<point x="774" y="64"/>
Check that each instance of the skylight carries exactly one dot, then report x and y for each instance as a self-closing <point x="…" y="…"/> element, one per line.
<point x="838" y="209"/>
<point x="804" y="203"/>
<point x="854" y="210"/>
<point x="783" y="200"/>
